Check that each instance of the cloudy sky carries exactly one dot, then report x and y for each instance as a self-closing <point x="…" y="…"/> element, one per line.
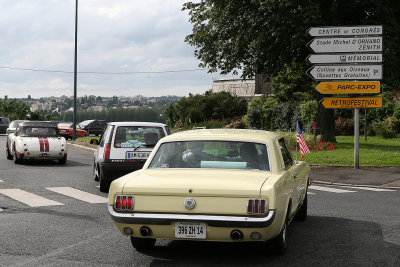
<point x="114" y="36"/>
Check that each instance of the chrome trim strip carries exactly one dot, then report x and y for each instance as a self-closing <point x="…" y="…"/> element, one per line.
<point x="211" y="220"/>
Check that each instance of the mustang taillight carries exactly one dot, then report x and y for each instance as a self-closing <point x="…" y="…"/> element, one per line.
<point x="257" y="206"/>
<point x="107" y="149"/>
<point x="123" y="203"/>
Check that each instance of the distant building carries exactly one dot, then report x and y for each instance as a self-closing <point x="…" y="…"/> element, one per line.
<point x="41" y="106"/>
<point x="95" y="108"/>
<point x="243" y="88"/>
<point x="139" y="98"/>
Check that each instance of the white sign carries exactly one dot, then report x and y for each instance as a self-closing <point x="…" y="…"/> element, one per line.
<point x="345" y="31"/>
<point x="345" y="72"/>
<point x="345" y="58"/>
<point x="346" y="44"/>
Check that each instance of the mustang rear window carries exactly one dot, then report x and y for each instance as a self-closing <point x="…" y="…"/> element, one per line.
<point x="211" y="155"/>
<point x="38" y="131"/>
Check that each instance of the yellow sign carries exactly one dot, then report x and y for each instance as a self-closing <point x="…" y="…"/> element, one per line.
<point x="365" y="87"/>
<point x="352" y="102"/>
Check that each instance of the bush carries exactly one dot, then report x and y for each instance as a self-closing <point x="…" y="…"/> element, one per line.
<point x="309" y="110"/>
<point x="344" y="126"/>
<point x="237" y="123"/>
<point x="287" y="113"/>
<point x="261" y="113"/>
<point x="388" y="128"/>
<point x="396" y="112"/>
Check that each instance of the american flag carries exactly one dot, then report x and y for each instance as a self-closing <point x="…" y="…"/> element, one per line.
<point x="302" y="143"/>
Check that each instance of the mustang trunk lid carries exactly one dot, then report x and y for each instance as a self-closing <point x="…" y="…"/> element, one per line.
<point x="215" y="192"/>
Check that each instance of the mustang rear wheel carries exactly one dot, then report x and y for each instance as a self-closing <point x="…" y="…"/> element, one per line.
<point x="142" y="244"/>
<point x="280" y="242"/>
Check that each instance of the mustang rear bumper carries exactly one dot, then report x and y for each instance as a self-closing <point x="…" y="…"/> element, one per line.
<point x="211" y="220"/>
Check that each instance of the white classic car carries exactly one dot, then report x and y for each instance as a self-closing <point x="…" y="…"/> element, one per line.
<point x="214" y="185"/>
<point x="36" y="140"/>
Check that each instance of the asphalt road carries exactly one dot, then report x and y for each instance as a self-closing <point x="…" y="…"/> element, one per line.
<point x="346" y="226"/>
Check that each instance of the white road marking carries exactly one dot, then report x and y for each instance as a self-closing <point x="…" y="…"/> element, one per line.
<point x="29" y="198"/>
<point x="329" y="189"/>
<point x="310" y="193"/>
<point x="78" y="194"/>
<point x="370" y="188"/>
<point x="1" y="181"/>
<point x="98" y="186"/>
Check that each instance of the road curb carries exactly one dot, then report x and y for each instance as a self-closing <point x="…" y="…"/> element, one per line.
<point x="84" y="148"/>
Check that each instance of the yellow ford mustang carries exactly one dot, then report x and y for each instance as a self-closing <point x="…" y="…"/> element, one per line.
<point x="216" y="185"/>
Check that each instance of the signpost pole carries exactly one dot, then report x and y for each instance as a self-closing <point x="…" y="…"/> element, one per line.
<point x="365" y="125"/>
<point x="356" y="138"/>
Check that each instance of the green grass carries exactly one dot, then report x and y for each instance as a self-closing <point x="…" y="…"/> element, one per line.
<point x="87" y="138"/>
<point x="376" y="151"/>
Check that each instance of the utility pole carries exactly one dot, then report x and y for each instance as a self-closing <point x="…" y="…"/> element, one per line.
<point x="75" y="68"/>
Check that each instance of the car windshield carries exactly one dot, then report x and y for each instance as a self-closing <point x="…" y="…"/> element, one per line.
<point x="14" y="124"/>
<point x="211" y="155"/>
<point x="137" y="136"/>
<point x="38" y="131"/>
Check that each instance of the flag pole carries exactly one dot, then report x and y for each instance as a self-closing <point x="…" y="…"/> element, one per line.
<point x="296" y="143"/>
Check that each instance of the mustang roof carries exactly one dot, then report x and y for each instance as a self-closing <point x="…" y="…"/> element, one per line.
<point x="37" y="124"/>
<point x="223" y="134"/>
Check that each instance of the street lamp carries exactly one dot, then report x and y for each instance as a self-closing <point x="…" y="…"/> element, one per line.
<point x="75" y="68"/>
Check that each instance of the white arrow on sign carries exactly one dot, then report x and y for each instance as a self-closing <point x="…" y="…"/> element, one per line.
<point x="344" y="58"/>
<point x="345" y="31"/>
<point x="345" y="72"/>
<point x="346" y="44"/>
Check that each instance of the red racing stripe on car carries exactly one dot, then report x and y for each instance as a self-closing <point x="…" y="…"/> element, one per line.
<point x="41" y="142"/>
<point x="46" y="144"/>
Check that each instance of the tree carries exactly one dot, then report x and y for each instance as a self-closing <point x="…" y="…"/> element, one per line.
<point x="210" y="106"/>
<point x="13" y="109"/>
<point x="261" y="36"/>
<point x="170" y="113"/>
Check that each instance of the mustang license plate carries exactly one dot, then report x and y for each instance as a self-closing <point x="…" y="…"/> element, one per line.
<point x="137" y="155"/>
<point x="190" y="230"/>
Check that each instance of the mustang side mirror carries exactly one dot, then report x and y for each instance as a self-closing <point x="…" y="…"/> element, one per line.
<point x="94" y="142"/>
